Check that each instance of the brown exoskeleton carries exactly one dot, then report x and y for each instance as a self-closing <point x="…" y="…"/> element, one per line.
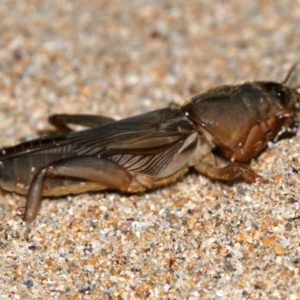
<point x="216" y="132"/>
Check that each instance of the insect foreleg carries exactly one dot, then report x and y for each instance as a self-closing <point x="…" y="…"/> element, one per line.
<point x="228" y="172"/>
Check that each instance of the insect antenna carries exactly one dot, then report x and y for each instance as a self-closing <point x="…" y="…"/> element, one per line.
<point x="290" y="72"/>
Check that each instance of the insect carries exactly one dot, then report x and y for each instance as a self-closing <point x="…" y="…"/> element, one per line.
<point x="216" y="132"/>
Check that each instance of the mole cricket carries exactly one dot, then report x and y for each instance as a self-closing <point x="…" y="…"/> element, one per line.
<point x="216" y="132"/>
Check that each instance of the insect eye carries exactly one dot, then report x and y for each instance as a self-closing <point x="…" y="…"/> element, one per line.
<point x="282" y="95"/>
<point x="278" y="92"/>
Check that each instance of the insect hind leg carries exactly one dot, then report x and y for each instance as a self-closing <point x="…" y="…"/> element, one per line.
<point x="88" y="168"/>
<point x="61" y="121"/>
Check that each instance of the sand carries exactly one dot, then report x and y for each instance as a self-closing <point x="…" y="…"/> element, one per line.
<point x="194" y="239"/>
